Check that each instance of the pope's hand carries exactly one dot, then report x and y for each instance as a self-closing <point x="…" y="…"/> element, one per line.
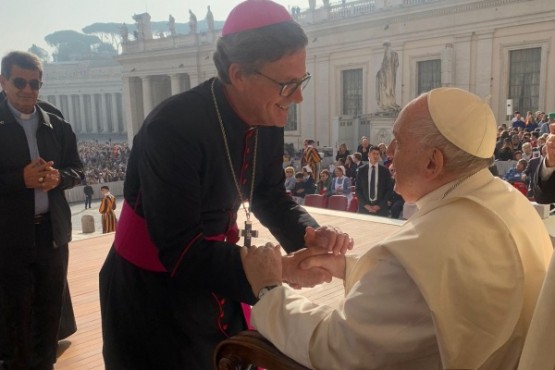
<point x="335" y="265"/>
<point x="330" y="238"/>
<point x="297" y="277"/>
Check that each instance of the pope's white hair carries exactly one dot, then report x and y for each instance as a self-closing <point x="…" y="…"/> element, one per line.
<point x="456" y="160"/>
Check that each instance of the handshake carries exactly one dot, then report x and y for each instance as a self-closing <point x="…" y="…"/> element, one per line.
<point x="322" y="258"/>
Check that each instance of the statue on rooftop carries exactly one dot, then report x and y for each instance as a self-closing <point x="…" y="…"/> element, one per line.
<point x="192" y="22"/>
<point x="124" y="31"/>
<point x="143" y="26"/>
<point x="210" y="20"/>
<point x="171" y="25"/>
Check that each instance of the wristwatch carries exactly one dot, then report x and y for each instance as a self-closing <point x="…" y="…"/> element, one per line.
<point x="265" y="290"/>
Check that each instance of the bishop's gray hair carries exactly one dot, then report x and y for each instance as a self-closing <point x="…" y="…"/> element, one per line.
<point x="254" y="48"/>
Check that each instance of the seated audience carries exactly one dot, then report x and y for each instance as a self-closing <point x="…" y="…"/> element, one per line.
<point x="526" y="151"/>
<point x="342" y="152"/>
<point x="506" y="152"/>
<point x="289" y="178"/>
<point x="516" y="173"/>
<point x="341" y="184"/>
<point x="324" y="184"/>
<point x="453" y="288"/>
<point x="299" y="191"/>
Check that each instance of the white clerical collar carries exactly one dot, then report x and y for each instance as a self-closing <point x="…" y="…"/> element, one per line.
<point x="451" y="188"/>
<point x="22" y="116"/>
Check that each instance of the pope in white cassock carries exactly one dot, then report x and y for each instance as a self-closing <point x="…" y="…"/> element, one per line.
<point x="454" y="288"/>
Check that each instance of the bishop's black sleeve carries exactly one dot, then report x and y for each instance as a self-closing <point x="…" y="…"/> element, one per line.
<point x="276" y="210"/>
<point x="170" y="165"/>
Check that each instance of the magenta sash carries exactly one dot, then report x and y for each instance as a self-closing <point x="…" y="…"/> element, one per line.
<point x="132" y="242"/>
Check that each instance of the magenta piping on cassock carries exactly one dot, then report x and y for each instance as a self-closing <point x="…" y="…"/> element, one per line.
<point x="132" y="242"/>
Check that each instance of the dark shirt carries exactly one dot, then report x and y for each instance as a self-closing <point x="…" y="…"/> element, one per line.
<point x="342" y="155"/>
<point x="505" y="154"/>
<point x="519" y="124"/>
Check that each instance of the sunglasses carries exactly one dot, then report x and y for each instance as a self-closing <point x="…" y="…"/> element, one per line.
<point x="21" y="83"/>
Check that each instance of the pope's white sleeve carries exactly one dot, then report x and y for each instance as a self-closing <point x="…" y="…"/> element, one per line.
<point x="383" y="320"/>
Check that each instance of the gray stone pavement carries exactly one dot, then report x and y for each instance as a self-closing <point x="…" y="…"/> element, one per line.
<point x="78" y="210"/>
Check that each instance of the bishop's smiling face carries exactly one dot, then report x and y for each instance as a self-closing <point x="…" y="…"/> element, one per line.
<point x="262" y="102"/>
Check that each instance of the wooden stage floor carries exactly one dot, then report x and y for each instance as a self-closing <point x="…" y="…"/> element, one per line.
<point x="87" y="257"/>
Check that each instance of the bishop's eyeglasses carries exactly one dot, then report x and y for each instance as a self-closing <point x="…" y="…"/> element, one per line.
<point x="289" y="88"/>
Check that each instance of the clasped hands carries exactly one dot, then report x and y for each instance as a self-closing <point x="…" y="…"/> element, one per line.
<point x="322" y="259"/>
<point x="39" y="174"/>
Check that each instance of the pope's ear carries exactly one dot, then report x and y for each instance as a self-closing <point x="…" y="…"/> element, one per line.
<point x="436" y="163"/>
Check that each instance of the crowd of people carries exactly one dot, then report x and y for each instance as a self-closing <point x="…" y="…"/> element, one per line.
<point x="373" y="190"/>
<point x="518" y="153"/>
<point x="520" y="147"/>
<point x="103" y="162"/>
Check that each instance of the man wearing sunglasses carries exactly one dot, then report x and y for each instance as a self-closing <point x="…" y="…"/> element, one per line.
<point x="38" y="160"/>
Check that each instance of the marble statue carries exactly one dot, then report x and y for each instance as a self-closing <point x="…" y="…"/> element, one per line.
<point x="192" y="22"/>
<point x="386" y="79"/>
<point x="171" y="25"/>
<point x="210" y="20"/>
<point x="143" y="26"/>
<point x="124" y="31"/>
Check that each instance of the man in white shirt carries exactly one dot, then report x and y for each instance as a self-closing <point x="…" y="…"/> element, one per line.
<point x="454" y="288"/>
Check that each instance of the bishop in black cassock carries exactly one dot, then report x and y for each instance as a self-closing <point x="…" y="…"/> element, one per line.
<point x="171" y="285"/>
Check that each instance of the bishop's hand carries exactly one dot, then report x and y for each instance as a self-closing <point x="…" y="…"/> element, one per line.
<point x="262" y="266"/>
<point x="329" y="238"/>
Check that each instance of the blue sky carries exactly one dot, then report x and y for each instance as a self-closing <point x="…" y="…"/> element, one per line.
<point x="26" y="22"/>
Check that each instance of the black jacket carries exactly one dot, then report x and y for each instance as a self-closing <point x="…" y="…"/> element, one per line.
<point x="544" y="191"/>
<point x="385" y="188"/>
<point x="56" y="142"/>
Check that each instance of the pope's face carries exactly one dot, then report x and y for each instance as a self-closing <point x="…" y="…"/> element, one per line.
<point x="267" y="106"/>
<point x="24" y="99"/>
<point x="409" y="157"/>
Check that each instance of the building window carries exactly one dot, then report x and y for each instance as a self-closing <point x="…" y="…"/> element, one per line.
<point x="352" y="92"/>
<point x="292" y="118"/>
<point x="524" y="78"/>
<point x="429" y="75"/>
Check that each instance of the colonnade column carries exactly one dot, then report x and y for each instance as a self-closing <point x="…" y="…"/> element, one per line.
<point x="104" y="112"/>
<point x="83" y="115"/>
<point x="175" y="80"/>
<point x="70" y="113"/>
<point x="115" y="119"/>
<point x="147" y="95"/>
<point x="94" y="116"/>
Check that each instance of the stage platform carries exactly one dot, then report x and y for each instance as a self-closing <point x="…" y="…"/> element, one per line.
<point x="87" y="256"/>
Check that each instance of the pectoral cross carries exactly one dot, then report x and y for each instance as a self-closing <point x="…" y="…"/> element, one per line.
<point x="248" y="233"/>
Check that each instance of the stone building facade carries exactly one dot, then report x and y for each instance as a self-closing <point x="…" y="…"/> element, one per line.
<point x="498" y="49"/>
<point x="89" y="94"/>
